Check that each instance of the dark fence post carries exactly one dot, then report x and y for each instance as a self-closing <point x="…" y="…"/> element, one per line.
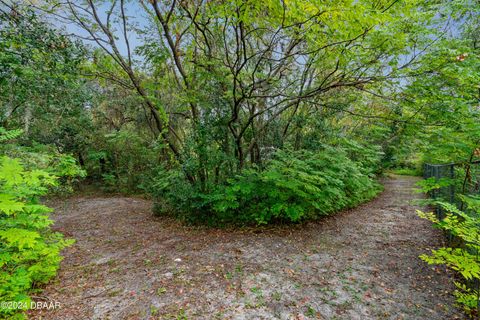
<point x="452" y="186"/>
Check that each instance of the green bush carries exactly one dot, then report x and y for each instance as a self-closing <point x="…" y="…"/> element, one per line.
<point x="463" y="259"/>
<point x="407" y="172"/>
<point x="121" y="160"/>
<point x="43" y="157"/>
<point x="29" y="251"/>
<point x="367" y="157"/>
<point x="294" y="186"/>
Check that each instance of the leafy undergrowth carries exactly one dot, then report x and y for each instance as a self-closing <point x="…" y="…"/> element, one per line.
<point x="463" y="258"/>
<point x="406" y="172"/>
<point x="30" y="252"/>
<point x="294" y="186"/>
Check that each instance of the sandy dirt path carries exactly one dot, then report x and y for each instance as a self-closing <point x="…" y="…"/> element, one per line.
<point x="359" y="264"/>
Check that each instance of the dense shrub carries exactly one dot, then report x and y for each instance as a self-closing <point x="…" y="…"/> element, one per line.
<point x="29" y="251"/>
<point x="50" y="160"/>
<point x="367" y="157"/>
<point x="121" y="160"/>
<point x="294" y="185"/>
<point x="464" y="258"/>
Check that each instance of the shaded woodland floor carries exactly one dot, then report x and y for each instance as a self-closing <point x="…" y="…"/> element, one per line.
<point x="359" y="264"/>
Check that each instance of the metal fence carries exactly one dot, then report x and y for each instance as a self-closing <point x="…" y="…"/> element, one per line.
<point x="459" y="179"/>
<point x="441" y="171"/>
<point x="463" y="179"/>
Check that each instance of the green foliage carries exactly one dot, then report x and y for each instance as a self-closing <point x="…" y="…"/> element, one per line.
<point x="122" y="159"/>
<point x="294" y="186"/>
<point x="302" y="74"/>
<point x="465" y="260"/>
<point x="444" y="97"/>
<point x="406" y="172"/>
<point x="6" y="135"/>
<point x="368" y="157"/>
<point x="30" y="252"/>
<point x="432" y="183"/>
<point x="40" y="87"/>
<point x="46" y="158"/>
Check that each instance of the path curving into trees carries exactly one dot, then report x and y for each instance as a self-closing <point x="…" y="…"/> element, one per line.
<point x="359" y="264"/>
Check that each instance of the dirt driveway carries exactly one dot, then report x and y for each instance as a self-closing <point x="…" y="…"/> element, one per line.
<point x="359" y="264"/>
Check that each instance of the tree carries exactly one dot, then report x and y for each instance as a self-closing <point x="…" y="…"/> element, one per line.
<point x="231" y="79"/>
<point x="40" y="87"/>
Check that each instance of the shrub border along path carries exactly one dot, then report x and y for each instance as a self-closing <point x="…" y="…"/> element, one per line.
<point x="358" y="264"/>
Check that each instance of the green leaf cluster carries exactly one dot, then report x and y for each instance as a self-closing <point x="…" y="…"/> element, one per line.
<point x="294" y="186"/>
<point x="464" y="259"/>
<point x="29" y="251"/>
